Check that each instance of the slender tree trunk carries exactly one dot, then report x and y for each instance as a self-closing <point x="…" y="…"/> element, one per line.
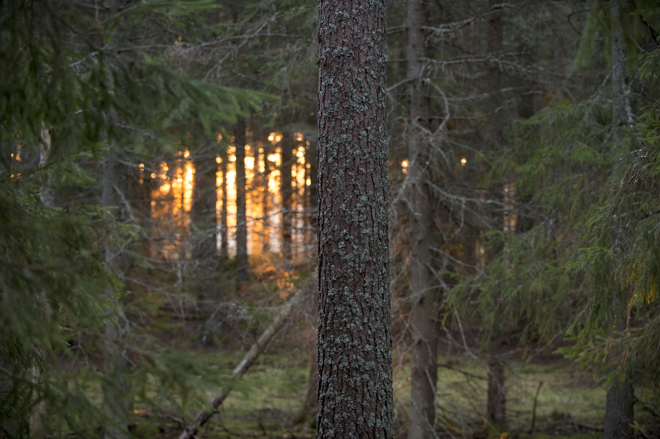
<point x="265" y="205"/>
<point x="224" y="240"/>
<point x="619" y="413"/>
<point x="313" y="193"/>
<point x="425" y="295"/>
<point x="286" y="148"/>
<point x="311" y="217"/>
<point x="242" y="268"/>
<point x="308" y="410"/>
<point x="202" y="217"/>
<point x="496" y="398"/>
<point x="354" y="332"/>
<point x="47" y="196"/>
<point x="116" y="392"/>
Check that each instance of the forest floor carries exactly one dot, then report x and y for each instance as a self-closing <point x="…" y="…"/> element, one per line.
<point x="569" y="403"/>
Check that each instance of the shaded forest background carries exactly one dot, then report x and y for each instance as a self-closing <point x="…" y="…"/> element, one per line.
<point x="158" y="212"/>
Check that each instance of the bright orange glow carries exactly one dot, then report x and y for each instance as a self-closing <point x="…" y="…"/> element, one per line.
<point x="463" y="161"/>
<point x="172" y="200"/>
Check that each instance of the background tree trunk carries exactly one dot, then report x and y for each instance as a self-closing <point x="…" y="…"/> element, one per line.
<point x="425" y="296"/>
<point x="496" y="398"/>
<point x="203" y="217"/>
<point x="620" y="400"/>
<point x="116" y="393"/>
<point x="311" y="159"/>
<point x="286" y="151"/>
<point x="224" y="230"/>
<point x="242" y="268"/>
<point x="354" y="332"/>
<point x="265" y="198"/>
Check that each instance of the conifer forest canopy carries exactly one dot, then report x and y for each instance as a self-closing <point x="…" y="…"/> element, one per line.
<point x="422" y="219"/>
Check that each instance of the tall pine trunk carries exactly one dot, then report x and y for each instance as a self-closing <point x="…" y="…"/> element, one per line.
<point x="425" y="295"/>
<point x="203" y="216"/>
<point x="265" y="196"/>
<point x="619" y="414"/>
<point x="496" y="397"/>
<point x="242" y="267"/>
<point x="116" y="391"/>
<point x="355" y="328"/>
<point x="286" y="151"/>
<point x="224" y="229"/>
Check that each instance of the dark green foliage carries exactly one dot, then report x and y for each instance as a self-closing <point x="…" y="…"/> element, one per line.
<point x="76" y="82"/>
<point x="624" y="259"/>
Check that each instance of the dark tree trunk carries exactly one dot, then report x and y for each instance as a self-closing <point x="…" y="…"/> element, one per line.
<point x="116" y="392"/>
<point x="425" y="295"/>
<point x="311" y="199"/>
<point x="286" y="147"/>
<point x="354" y="332"/>
<point x="496" y="399"/>
<point x="265" y="205"/>
<point x="224" y="230"/>
<point x="620" y="400"/>
<point x="313" y="193"/>
<point x="202" y="217"/>
<point x="242" y="267"/>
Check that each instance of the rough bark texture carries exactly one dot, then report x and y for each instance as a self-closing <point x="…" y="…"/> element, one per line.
<point x="354" y="332"/>
<point x="496" y="398"/>
<point x="116" y="392"/>
<point x="286" y="151"/>
<point x="423" y="325"/>
<point x="242" y="267"/>
<point x="257" y="348"/>
<point x="620" y="398"/>
<point x="202" y="217"/>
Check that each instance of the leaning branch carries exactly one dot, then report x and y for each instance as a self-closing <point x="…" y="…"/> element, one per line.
<point x="257" y="348"/>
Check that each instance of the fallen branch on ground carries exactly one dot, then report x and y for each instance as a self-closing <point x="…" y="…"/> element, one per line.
<point x="257" y="348"/>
